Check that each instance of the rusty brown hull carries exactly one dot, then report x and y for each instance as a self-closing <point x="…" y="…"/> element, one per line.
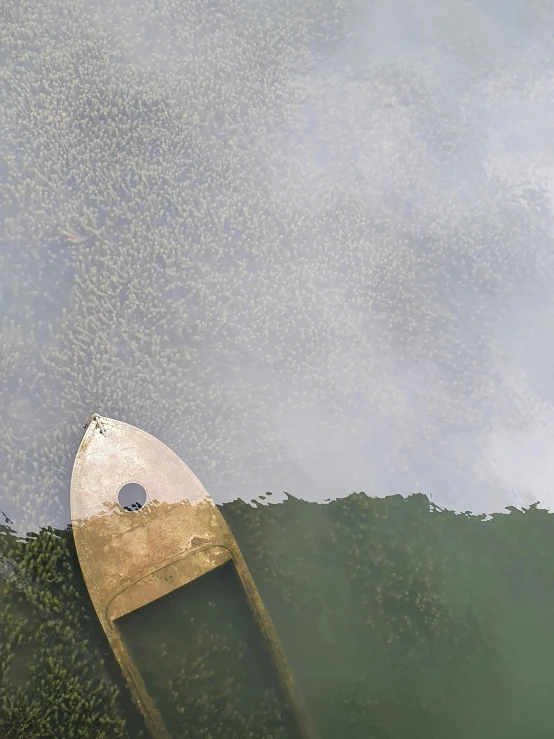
<point x="130" y="558"/>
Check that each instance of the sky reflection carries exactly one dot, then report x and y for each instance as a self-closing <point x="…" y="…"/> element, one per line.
<point x="308" y="247"/>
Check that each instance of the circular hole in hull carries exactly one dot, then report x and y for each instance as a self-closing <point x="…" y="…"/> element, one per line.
<point x="132" y="497"/>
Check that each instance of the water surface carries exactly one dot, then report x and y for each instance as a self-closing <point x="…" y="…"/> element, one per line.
<point x="397" y="617"/>
<point x="309" y="246"/>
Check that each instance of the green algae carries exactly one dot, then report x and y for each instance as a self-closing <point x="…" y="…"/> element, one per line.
<point x="400" y="618"/>
<point x="396" y="617"/>
<point x="211" y="676"/>
<point x="57" y="675"/>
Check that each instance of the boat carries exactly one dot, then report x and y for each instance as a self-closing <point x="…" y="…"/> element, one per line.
<point x="132" y="555"/>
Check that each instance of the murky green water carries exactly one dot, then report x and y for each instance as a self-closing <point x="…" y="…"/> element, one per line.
<point x="205" y="663"/>
<point x="398" y="619"/>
